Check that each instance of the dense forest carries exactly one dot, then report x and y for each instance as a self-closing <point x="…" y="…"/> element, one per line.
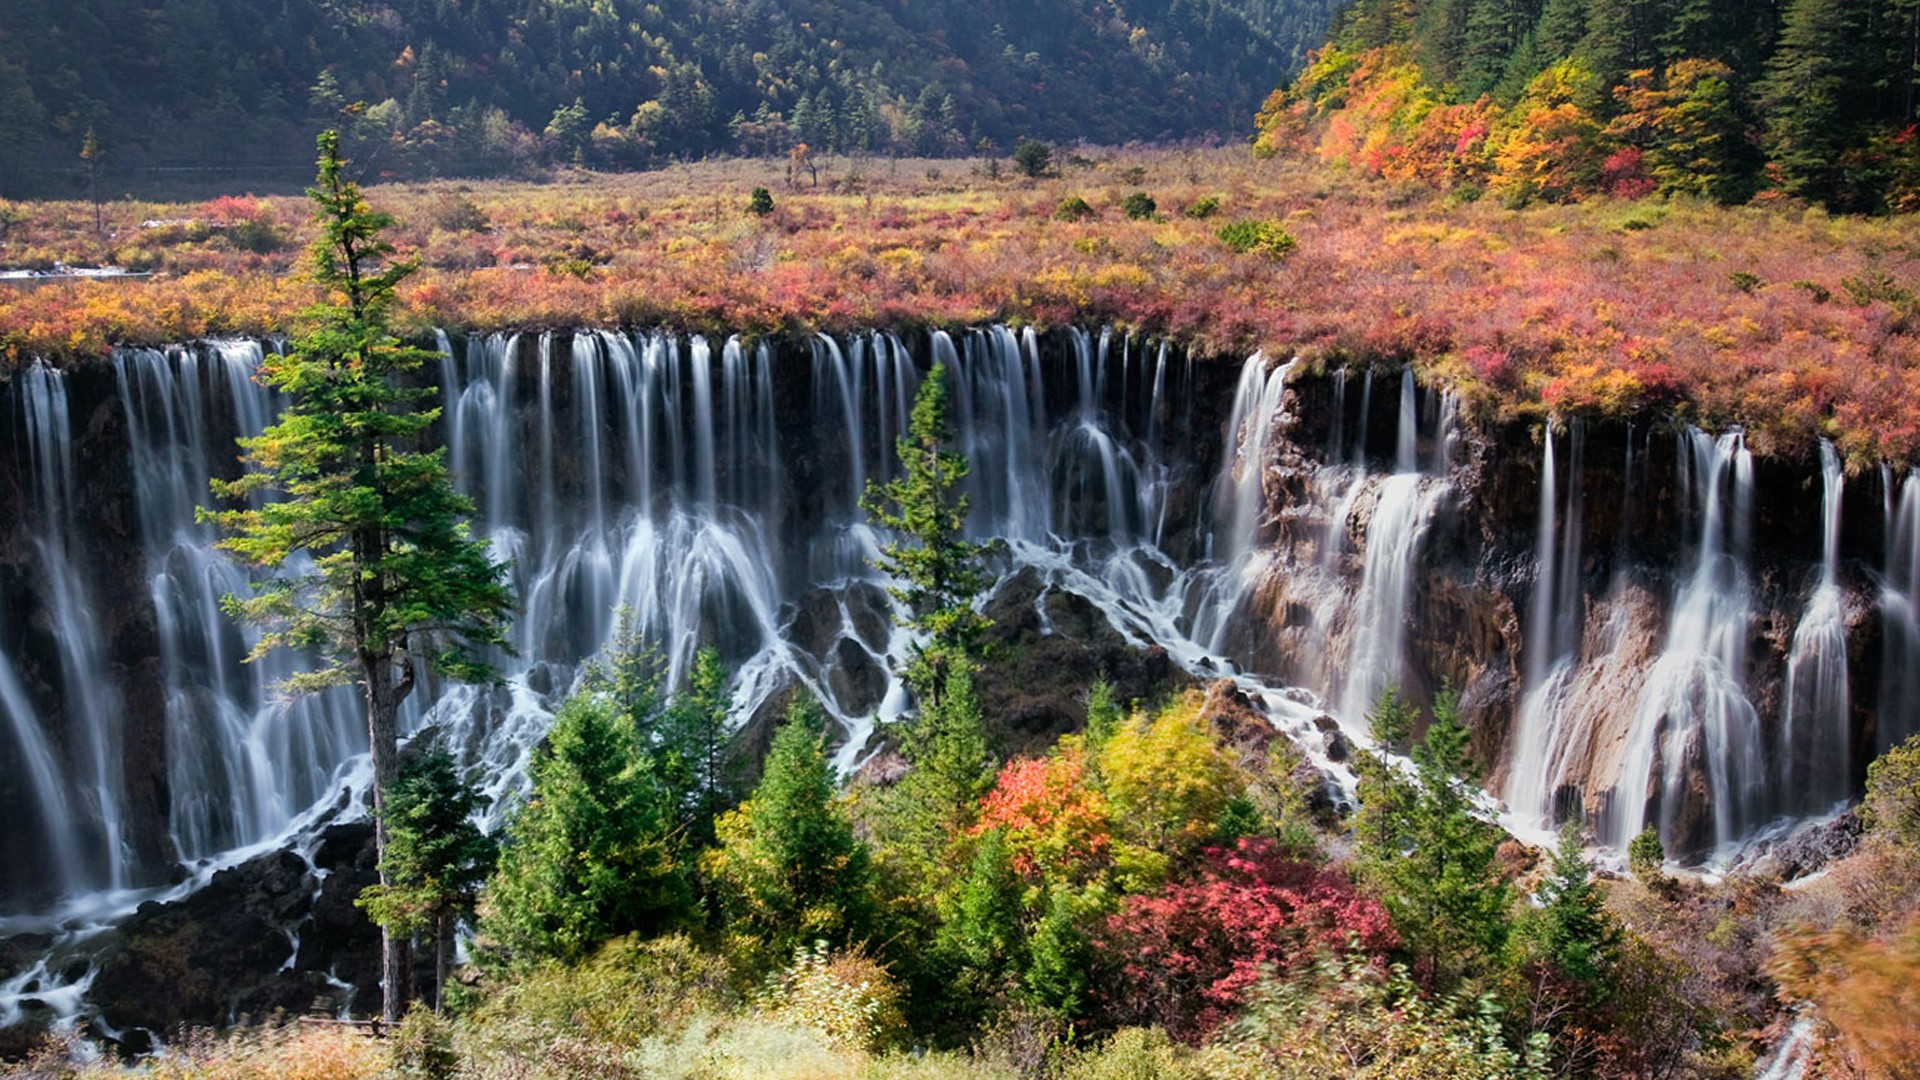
<point x="493" y="86"/>
<point x="1559" y="99"/>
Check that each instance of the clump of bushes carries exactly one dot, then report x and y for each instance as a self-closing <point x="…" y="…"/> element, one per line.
<point x="1073" y="208"/>
<point x="1203" y="207"/>
<point x="1139" y="206"/>
<point x="1266" y="238"/>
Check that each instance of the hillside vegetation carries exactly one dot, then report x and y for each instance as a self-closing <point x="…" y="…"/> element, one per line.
<point x="496" y="86"/>
<point x="1786" y="320"/>
<point x="1566" y="99"/>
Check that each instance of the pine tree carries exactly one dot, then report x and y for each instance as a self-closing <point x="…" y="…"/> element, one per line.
<point x="1435" y="862"/>
<point x="1809" y="96"/>
<point x="395" y="579"/>
<point x="436" y="857"/>
<point x="592" y="854"/>
<point x="789" y="869"/>
<point x="935" y="570"/>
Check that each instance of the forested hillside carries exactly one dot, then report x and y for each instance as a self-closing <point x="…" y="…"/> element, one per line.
<point x="489" y="86"/>
<point x="1559" y="99"/>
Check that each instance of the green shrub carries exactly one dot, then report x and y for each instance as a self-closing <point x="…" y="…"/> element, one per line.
<point x="1744" y="280"/>
<point x="760" y="202"/>
<point x="1257" y="238"/>
<point x="1139" y="206"/>
<point x="422" y="1046"/>
<point x="1033" y="158"/>
<point x="1073" y="208"/>
<point x="1134" y="1054"/>
<point x="1892" y="808"/>
<point x="1645" y="856"/>
<point x="1820" y="293"/>
<point x="1203" y="207"/>
<point x="630" y="990"/>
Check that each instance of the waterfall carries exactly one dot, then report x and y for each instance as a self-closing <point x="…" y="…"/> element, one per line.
<point x="1402" y="508"/>
<point x="1544" y="741"/>
<point x="1900" y="611"/>
<point x="96" y="845"/>
<point x="667" y="476"/>
<point x="1816" y="767"/>
<point x="1693" y="717"/>
<point x="1240" y="497"/>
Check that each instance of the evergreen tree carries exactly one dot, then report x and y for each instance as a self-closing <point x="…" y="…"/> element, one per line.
<point x="396" y="580"/>
<point x="1434" y="862"/>
<point x="592" y="853"/>
<point x="936" y="571"/>
<point x="1571" y="929"/>
<point x="436" y="857"/>
<point x="693" y="745"/>
<point x="1809" y="98"/>
<point x="789" y="869"/>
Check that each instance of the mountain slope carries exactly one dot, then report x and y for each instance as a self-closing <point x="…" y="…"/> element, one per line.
<point x="456" y="86"/>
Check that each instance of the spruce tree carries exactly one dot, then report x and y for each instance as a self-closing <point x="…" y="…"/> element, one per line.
<point x="593" y="853"/>
<point x="436" y="857"/>
<point x="936" y="571"/>
<point x="1809" y="98"/>
<point x="1434" y="861"/>
<point x="395" y="580"/>
<point x="789" y="869"/>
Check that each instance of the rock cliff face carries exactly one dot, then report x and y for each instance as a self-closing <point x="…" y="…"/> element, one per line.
<point x="1474" y="617"/>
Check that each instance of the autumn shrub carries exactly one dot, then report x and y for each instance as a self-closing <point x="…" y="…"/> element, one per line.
<point x="1168" y="781"/>
<point x="1186" y="957"/>
<point x="1266" y="238"/>
<point x="1865" y="991"/>
<point x="1055" y="823"/>
<point x="293" y="1052"/>
<point x="843" y="994"/>
<point x="1354" y="1018"/>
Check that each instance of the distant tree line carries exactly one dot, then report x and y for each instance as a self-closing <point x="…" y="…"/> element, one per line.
<point x="492" y="86"/>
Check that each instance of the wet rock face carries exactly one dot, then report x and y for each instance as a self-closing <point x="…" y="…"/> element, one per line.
<point x="1045" y="649"/>
<point x="1472" y="586"/>
<point x="272" y="935"/>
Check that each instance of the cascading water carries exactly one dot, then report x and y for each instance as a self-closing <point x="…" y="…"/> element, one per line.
<point x="645" y="473"/>
<point x="1403" y="506"/>
<point x="1899" y="715"/>
<point x="1693" y="717"/>
<point x="1544" y="736"/>
<point x="1816" y="759"/>
<point x="89" y="833"/>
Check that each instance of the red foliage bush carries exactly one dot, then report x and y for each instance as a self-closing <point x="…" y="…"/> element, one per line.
<point x="1185" y="957"/>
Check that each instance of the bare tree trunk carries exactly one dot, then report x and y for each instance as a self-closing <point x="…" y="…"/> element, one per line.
<point x="439" y="962"/>
<point x="383" y="733"/>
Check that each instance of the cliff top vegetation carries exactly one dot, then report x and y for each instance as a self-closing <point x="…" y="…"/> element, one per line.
<point x="1781" y="318"/>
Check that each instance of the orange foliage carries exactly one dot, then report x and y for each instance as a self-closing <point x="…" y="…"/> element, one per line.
<point x="1865" y="990"/>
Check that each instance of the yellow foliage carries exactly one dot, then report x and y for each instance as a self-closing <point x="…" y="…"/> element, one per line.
<point x="1168" y="779"/>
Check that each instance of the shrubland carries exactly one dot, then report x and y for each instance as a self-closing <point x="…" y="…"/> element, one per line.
<point x="1782" y="318"/>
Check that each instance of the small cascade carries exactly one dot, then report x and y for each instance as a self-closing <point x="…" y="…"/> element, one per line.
<point x="48" y="817"/>
<point x="1406" y="454"/>
<point x="1693" y="718"/>
<point x="1900" y="612"/>
<point x="1544" y="739"/>
<point x="1403" y="505"/>
<point x="94" y="841"/>
<point x="1816" y="762"/>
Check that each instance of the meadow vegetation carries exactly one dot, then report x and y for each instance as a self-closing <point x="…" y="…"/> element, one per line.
<point x="1782" y="318"/>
